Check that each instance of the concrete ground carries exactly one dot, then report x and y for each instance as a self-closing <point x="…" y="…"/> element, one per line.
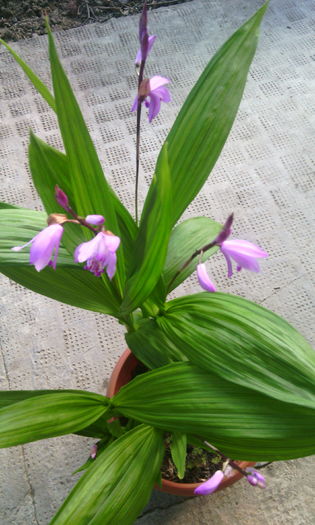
<point x="265" y="175"/>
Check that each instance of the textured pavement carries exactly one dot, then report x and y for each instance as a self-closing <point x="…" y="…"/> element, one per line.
<point x="265" y="175"/>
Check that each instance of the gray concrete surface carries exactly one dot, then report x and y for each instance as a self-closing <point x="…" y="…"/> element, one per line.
<point x="265" y="175"/>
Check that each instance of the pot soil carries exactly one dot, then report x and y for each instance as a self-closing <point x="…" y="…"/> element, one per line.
<point x="125" y="370"/>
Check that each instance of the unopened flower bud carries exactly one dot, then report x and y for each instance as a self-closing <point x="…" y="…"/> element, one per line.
<point x="97" y="220"/>
<point x="61" y="198"/>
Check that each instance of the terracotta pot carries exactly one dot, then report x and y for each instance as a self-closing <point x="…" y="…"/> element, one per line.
<point x="121" y="375"/>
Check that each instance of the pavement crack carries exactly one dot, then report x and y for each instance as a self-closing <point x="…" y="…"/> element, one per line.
<point x="150" y="511"/>
<point x="31" y="491"/>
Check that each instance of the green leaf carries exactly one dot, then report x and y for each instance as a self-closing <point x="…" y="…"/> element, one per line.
<point x="37" y="83"/>
<point x="49" y="415"/>
<point x="205" y="120"/>
<point x="244" y="343"/>
<point x="178" y="448"/>
<point x="119" y="483"/>
<point x="49" y="168"/>
<point x="6" y="206"/>
<point x="185" y="239"/>
<point x="98" y="429"/>
<point x="151" y="346"/>
<point x="152" y="240"/>
<point x="244" y="424"/>
<point x="92" y="194"/>
<point x="69" y="283"/>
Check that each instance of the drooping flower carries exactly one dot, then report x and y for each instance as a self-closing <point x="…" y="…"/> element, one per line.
<point x="204" y="279"/>
<point x="244" y="253"/>
<point x="255" y="478"/>
<point x="99" y="253"/>
<point x="152" y="91"/>
<point x="210" y="485"/>
<point x="140" y="56"/>
<point x="44" y="247"/>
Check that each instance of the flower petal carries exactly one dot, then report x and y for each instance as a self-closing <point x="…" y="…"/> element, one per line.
<point x="203" y="278"/>
<point x="228" y="262"/>
<point x="154" y="107"/>
<point x="112" y="242"/>
<point x="88" y="249"/>
<point x="210" y="485"/>
<point x="239" y="246"/>
<point x="163" y="93"/>
<point x="134" y="105"/>
<point x="111" y="264"/>
<point x="157" y="81"/>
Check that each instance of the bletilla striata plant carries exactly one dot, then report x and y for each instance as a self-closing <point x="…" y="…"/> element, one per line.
<point x="224" y="374"/>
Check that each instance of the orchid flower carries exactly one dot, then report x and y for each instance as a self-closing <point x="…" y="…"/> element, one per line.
<point x="210" y="485"/>
<point x="146" y="41"/>
<point x="152" y="92"/>
<point x="244" y="253"/>
<point x="44" y="247"/>
<point x="99" y="253"/>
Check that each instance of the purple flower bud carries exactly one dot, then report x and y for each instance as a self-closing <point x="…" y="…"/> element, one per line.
<point x="210" y="485"/>
<point x="61" y="198"/>
<point x="244" y="253"/>
<point x="99" y="253"/>
<point x="44" y="247"/>
<point x="204" y="279"/>
<point x="255" y="478"/>
<point x="97" y="220"/>
<point x="152" y="92"/>
<point x="139" y="56"/>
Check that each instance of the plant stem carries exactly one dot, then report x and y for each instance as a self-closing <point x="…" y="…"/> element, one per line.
<point x="140" y="78"/>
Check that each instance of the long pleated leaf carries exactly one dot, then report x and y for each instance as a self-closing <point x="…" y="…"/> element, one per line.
<point x="119" y="483"/>
<point x="243" y="423"/>
<point x="152" y="241"/>
<point x="97" y="429"/>
<point x="69" y="283"/>
<point x="151" y="346"/>
<point x="92" y="194"/>
<point x="37" y="83"/>
<point x="50" y="167"/>
<point x="244" y="343"/>
<point x="185" y="239"/>
<point x="49" y="415"/>
<point x="205" y="120"/>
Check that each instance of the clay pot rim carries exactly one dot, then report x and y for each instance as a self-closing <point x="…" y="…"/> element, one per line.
<point x="129" y="361"/>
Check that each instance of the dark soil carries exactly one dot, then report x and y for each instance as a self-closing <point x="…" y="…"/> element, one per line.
<point x="24" y="18"/>
<point x="200" y="465"/>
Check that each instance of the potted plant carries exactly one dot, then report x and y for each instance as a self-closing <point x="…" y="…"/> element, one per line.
<point x="218" y="373"/>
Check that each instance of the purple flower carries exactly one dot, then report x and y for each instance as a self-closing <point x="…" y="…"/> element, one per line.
<point x="44" y="247"/>
<point x="204" y="279"/>
<point x="210" y="485"/>
<point x="97" y="220"/>
<point x="99" y="253"/>
<point x="152" y="92"/>
<point x="151" y="40"/>
<point x="244" y="253"/>
<point x="255" y="478"/>
<point x="61" y="198"/>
